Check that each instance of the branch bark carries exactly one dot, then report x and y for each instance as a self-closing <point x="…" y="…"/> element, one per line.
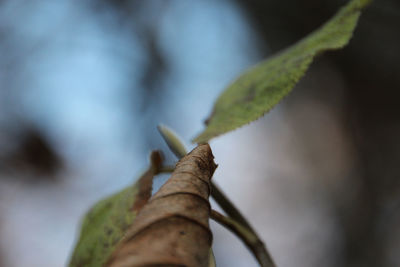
<point x="172" y="229"/>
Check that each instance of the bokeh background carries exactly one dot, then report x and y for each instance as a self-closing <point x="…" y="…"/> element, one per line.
<point x="83" y="85"/>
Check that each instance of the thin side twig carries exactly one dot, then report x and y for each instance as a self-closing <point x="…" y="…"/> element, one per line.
<point x="227" y="206"/>
<point x="251" y="240"/>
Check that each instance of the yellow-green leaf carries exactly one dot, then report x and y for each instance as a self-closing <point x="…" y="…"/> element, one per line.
<point x="260" y="88"/>
<point x="106" y="222"/>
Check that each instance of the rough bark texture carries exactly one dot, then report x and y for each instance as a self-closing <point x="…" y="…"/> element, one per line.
<point x="172" y="229"/>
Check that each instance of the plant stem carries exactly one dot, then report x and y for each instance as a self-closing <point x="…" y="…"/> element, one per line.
<point x="250" y="239"/>
<point x="227" y="206"/>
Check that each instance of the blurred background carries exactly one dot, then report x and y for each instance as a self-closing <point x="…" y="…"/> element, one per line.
<point x="83" y="85"/>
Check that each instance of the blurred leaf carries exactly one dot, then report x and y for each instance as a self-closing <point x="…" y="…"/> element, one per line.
<point x="260" y="88"/>
<point x="103" y="227"/>
<point x="107" y="221"/>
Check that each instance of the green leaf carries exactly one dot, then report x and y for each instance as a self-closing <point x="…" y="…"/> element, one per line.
<point x="263" y="86"/>
<point x="106" y="222"/>
<point x="103" y="227"/>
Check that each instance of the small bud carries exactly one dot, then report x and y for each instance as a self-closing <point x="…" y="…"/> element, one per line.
<point x="173" y="141"/>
